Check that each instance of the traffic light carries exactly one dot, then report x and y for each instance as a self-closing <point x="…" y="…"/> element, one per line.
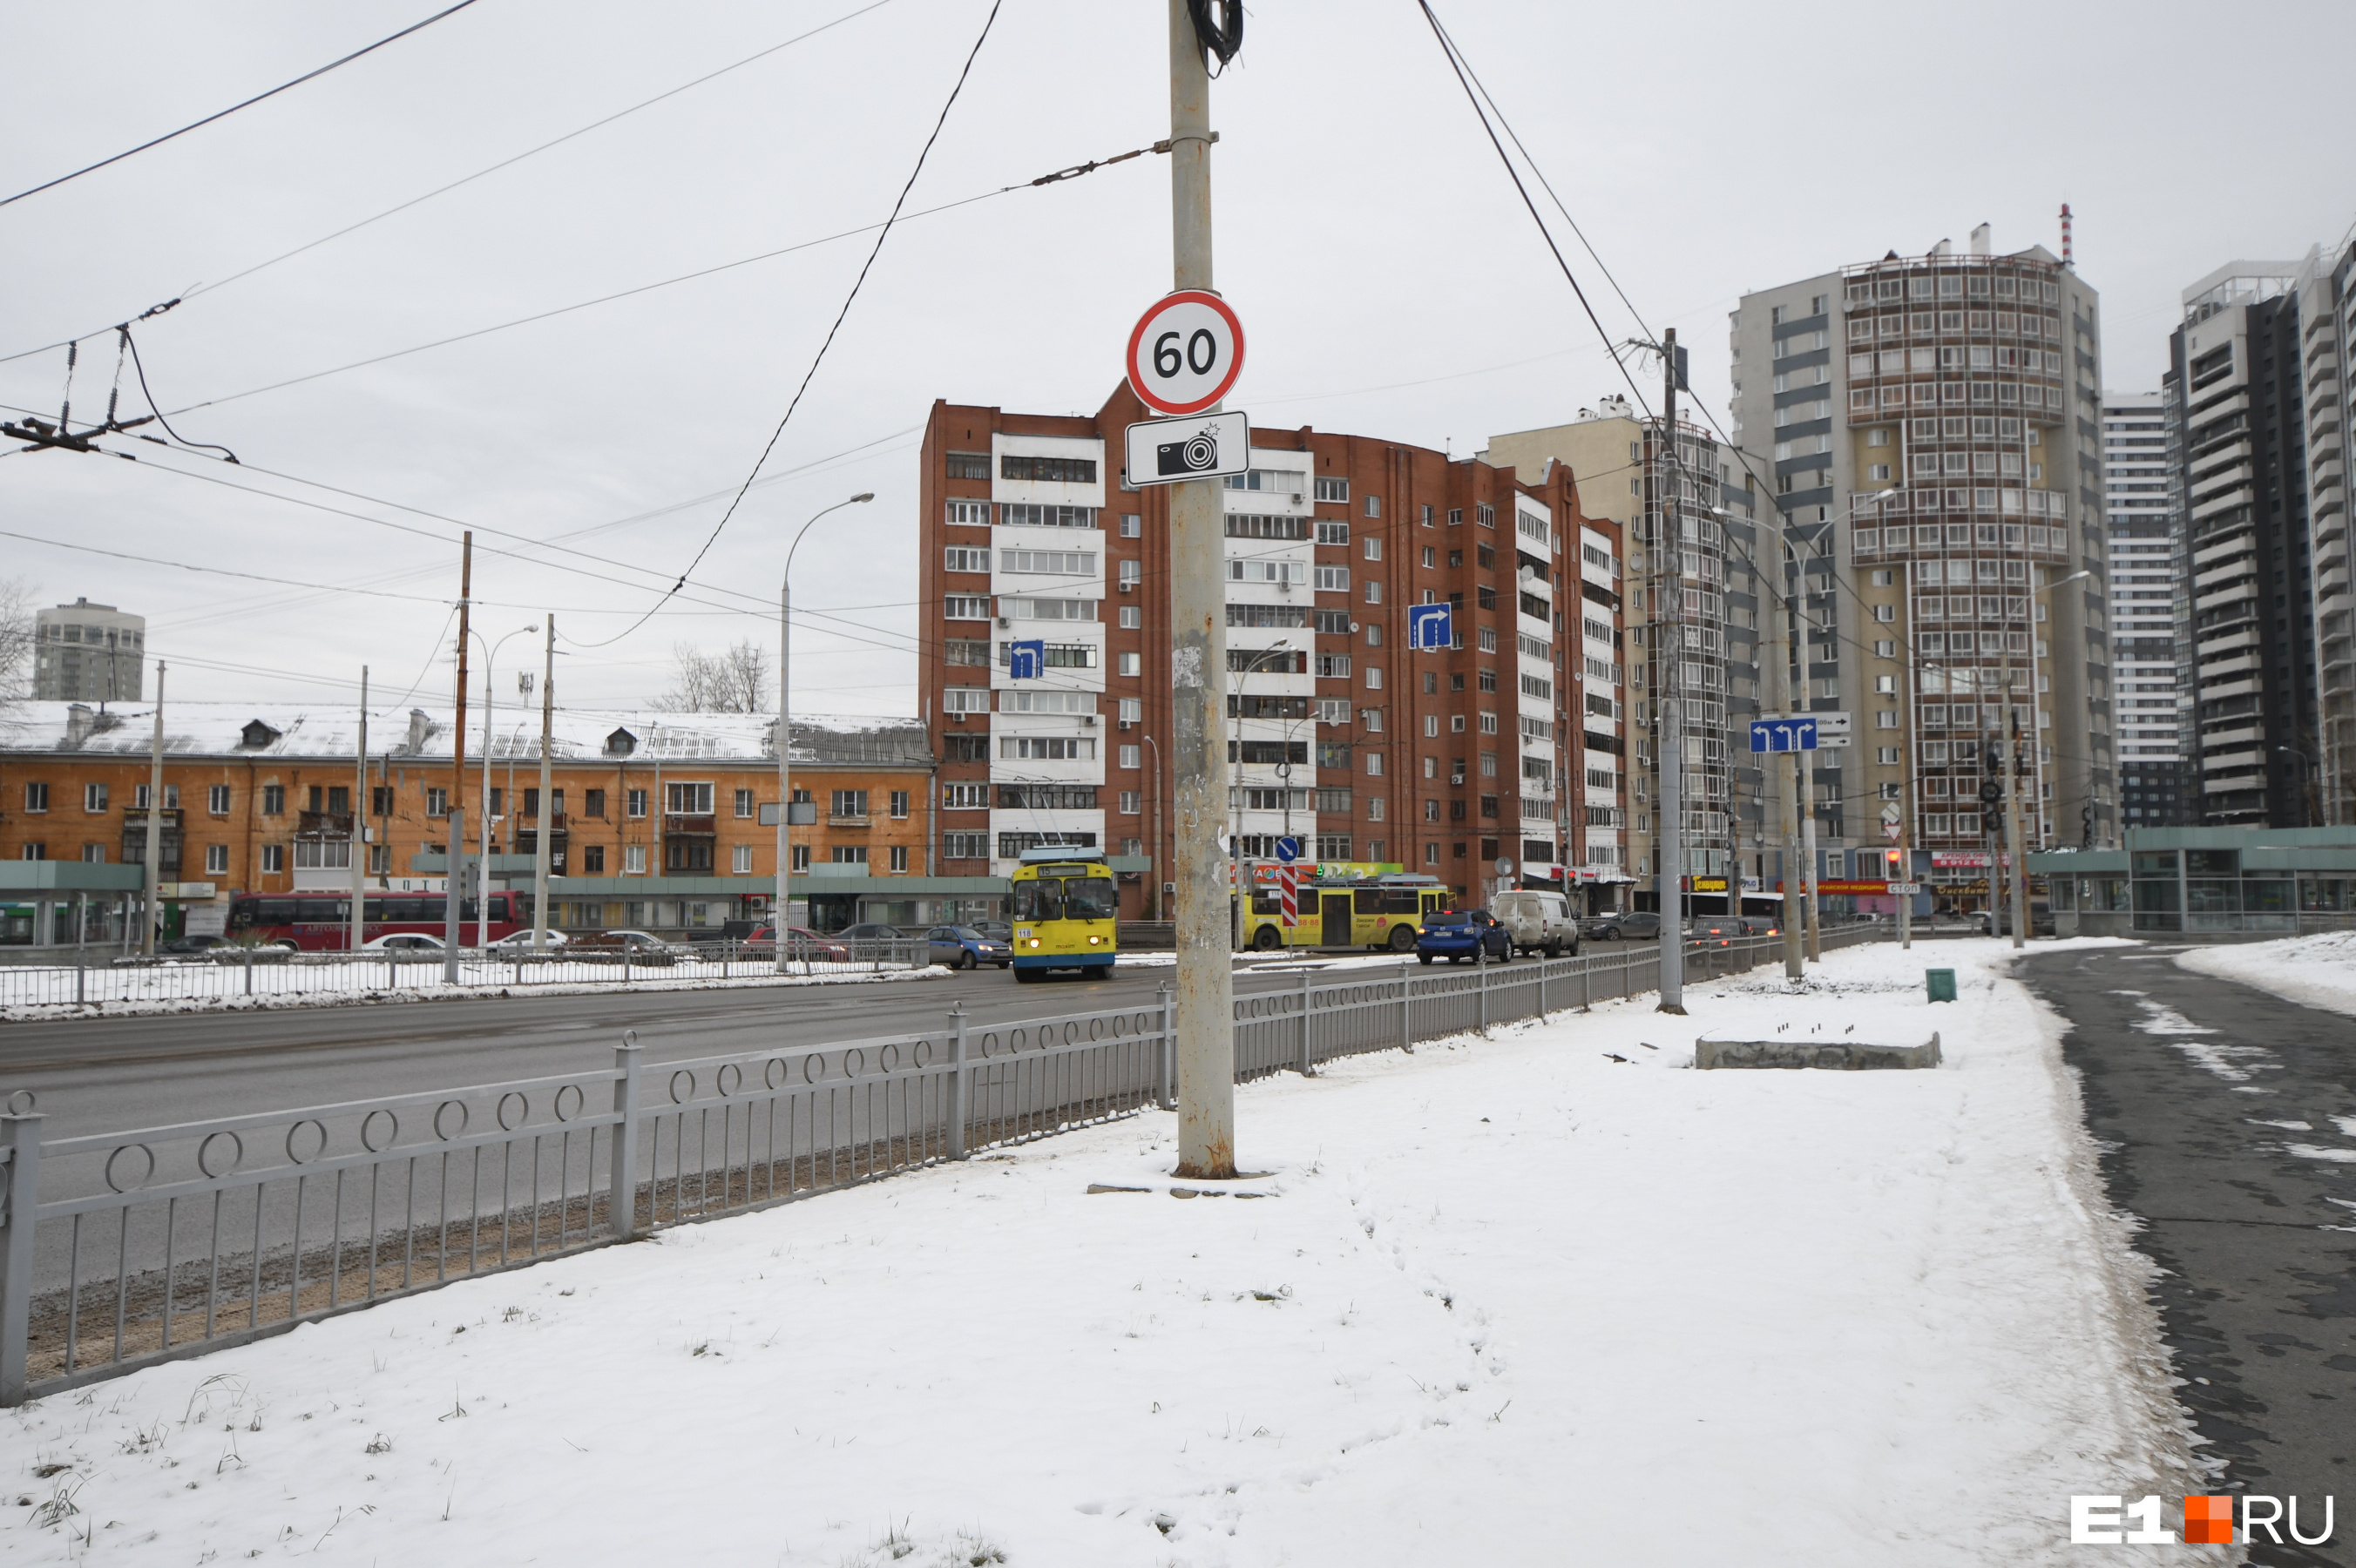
<point x="1992" y="820"/>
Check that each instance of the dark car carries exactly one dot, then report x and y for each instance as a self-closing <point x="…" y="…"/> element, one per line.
<point x="1761" y="925"/>
<point x="996" y="929"/>
<point x="1460" y="934"/>
<point x="963" y="947"/>
<point x="1714" y="931"/>
<point x="1626" y="925"/>
<point x="800" y="943"/>
<point x="870" y="934"/>
<point x="180" y="946"/>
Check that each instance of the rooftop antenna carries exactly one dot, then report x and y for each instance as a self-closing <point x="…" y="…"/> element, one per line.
<point x="2066" y="261"/>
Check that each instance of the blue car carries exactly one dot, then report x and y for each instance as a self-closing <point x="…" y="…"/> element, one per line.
<point x="963" y="947"/>
<point x="1460" y="935"/>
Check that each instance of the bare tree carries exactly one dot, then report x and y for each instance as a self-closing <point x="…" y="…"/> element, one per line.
<point x="16" y="638"/>
<point x="735" y="681"/>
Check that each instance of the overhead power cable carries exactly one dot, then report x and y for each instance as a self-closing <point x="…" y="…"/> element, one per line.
<point x="224" y="113"/>
<point x="819" y="357"/>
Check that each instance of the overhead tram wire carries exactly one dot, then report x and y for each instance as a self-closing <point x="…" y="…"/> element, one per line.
<point x="202" y="288"/>
<point x="224" y="113"/>
<point x="819" y="358"/>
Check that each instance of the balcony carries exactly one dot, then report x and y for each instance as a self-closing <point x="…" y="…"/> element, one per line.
<point x="690" y="826"/>
<point x="323" y="825"/>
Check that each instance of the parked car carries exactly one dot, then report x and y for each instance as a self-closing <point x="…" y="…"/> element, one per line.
<point x="871" y="933"/>
<point x="1538" y="920"/>
<point x="181" y="946"/>
<point x="1994" y="923"/>
<point x="996" y="929"/>
<point x="1462" y="934"/>
<point x="1717" y="930"/>
<point x="1761" y="925"/>
<point x="638" y="946"/>
<point x="402" y="942"/>
<point x="520" y="942"/>
<point x="800" y="942"/>
<point x="963" y="947"/>
<point x="1626" y="925"/>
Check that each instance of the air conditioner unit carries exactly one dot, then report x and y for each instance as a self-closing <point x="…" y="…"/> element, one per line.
<point x="1128" y="724"/>
<point x="1126" y="585"/>
<point x="1005" y="620"/>
<point x="957" y="718"/>
<point x="1089" y="719"/>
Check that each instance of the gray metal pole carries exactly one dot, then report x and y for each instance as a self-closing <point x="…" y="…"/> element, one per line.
<point x="1787" y="795"/>
<point x="540" y="855"/>
<point x="454" y="882"/>
<point x="2016" y="871"/>
<point x="1808" y="858"/>
<point x="1668" y="639"/>
<point x="785" y="751"/>
<point x="359" y="846"/>
<point x="155" y="902"/>
<point x="1205" y="1023"/>
<point x="20" y="1134"/>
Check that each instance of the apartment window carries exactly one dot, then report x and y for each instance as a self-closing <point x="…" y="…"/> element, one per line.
<point x="1132" y="618"/>
<point x="957" y="558"/>
<point x="37" y="797"/>
<point x="1333" y="489"/>
<point x="1132" y="664"/>
<point x="900" y="858"/>
<point x="799" y="859"/>
<point x="1485" y="639"/>
<point x="745" y="803"/>
<point x="741" y="859"/>
<point x="679" y="800"/>
<point x="1132" y="757"/>
<point x="1455" y="517"/>
<point x="964" y="700"/>
<point x="1132" y="573"/>
<point x="964" y="797"/>
<point x="593" y="860"/>
<point x="273" y="858"/>
<point x="1130" y="802"/>
<point x="215" y="860"/>
<point x="1886" y="755"/>
<point x="1373" y="506"/>
<point x="966" y="606"/>
<point x="634" y="859"/>
<point x="1131" y="525"/>
<point x="634" y="802"/>
<point x="217" y="800"/>
<point x="592" y="804"/>
<point x="93" y="797"/>
<point x="1374" y="548"/>
<point x="1329" y="579"/>
<point x="1373" y="677"/>
<point x="1374" y="634"/>
<point x="1048" y="562"/>
<point x="851" y="803"/>
<point x="1486" y="514"/>
<point x="968" y="464"/>
<point x="1373" y="592"/>
<point x="1133" y="709"/>
<point x="900" y="805"/>
<point x="969" y="514"/>
<point x="1053" y="470"/>
<point x="965" y="846"/>
<point x="847" y="855"/>
<point x="36" y="852"/>
<point x="1488" y="723"/>
<point x="437" y="801"/>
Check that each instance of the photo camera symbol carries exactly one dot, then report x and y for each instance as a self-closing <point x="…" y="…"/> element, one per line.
<point x="1197" y="454"/>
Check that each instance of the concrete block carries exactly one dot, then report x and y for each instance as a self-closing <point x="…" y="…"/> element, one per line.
<point x="1830" y="1055"/>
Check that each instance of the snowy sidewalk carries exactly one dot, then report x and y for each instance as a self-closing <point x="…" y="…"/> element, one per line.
<point x="2317" y="971"/>
<point x="1501" y="1301"/>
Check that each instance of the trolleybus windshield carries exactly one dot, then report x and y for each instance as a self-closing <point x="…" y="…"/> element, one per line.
<point x="1067" y="898"/>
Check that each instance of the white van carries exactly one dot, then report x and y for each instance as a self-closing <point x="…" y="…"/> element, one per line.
<point x="1539" y="922"/>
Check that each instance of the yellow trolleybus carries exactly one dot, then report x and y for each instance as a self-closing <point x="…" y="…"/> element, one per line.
<point x="1064" y="906"/>
<point x="1378" y="911"/>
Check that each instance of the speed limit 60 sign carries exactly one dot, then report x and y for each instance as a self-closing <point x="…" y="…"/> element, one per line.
<point x="1186" y="352"/>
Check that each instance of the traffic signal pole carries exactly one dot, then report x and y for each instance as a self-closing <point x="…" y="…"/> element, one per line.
<point x="1204" y="1019"/>
<point x="1668" y="674"/>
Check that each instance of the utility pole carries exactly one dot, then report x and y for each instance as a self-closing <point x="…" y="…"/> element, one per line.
<point x="155" y="819"/>
<point x="454" y="880"/>
<point x="359" y="846"/>
<point x="547" y="823"/>
<point x="2016" y="871"/>
<point x="1160" y="864"/>
<point x="1668" y="642"/>
<point x="1204" y="1015"/>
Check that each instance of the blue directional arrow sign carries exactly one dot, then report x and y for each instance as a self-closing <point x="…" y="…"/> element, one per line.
<point x="1025" y="661"/>
<point x="1288" y="850"/>
<point x="1793" y="732"/>
<point x="1429" y="626"/>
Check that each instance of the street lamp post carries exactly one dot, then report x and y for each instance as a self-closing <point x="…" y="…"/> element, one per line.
<point x="2017" y="873"/>
<point x="483" y="869"/>
<point x="1153" y="894"/>
<point x="786" y="720"/>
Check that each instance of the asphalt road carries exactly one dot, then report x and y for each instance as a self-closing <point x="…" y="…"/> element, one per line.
<point x="95" y="1075"/>
<point x="2204" y="1095"/>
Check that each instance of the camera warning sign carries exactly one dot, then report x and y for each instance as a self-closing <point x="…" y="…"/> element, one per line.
<point x="1185" y="352"/>
<point x="1208" y="446"/>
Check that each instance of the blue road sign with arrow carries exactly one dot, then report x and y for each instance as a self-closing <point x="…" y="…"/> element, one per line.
<point x="1025" y="661"/>
<point x="1288" y="850"/>
<point x="1790" y="733"/>
<point x="1429" y="626"/>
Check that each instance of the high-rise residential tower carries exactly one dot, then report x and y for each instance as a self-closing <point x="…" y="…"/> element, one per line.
<point x="2150" y="611"/>
<point x="1620" y="458"/>
<point x="1934" y="422"/>
<point x="2234" y="391"/>
<point x="2327" y="296"/>
<point x="89" y="652"/>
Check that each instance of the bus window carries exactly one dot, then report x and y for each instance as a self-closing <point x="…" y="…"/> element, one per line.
<point x="276" y="912"/>
<point x="1398" y="900"/>
<point x="1092" y="898"/>
<point x="1367" y="900"/>
<point x="1266" y="904"/>
<point x="1038" y="901"/>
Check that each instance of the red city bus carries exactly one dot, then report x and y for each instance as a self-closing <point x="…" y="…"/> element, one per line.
<point x="317" y="922"/>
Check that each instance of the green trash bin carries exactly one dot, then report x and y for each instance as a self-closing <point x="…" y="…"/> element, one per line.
<point x="1942" y="984"/>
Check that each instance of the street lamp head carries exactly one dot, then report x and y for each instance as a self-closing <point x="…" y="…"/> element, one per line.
<point x="865" y="496"/>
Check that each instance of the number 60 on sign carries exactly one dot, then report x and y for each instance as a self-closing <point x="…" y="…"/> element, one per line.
<point x="1185" y="352"/>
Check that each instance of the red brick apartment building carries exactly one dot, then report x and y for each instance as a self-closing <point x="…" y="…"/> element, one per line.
<point x="1509" y="746"/>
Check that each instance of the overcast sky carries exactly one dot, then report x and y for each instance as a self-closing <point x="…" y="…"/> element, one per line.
<point x="1389" y="280"/>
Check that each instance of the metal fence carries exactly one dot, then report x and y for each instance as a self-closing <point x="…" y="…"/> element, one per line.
<point x="123" y="1249"/>
<point x="225" y="973"/>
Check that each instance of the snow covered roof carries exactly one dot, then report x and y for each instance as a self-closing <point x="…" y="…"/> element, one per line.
<point x="298" y="730"/>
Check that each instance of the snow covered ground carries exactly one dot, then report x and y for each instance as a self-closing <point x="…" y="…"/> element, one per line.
<point x="2317" y="971"/>
<point x="1547" y="1297"/>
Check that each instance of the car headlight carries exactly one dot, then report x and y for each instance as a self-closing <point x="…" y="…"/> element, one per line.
<point x="1034" y="942"/>
<point x="1096" y="941"/>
